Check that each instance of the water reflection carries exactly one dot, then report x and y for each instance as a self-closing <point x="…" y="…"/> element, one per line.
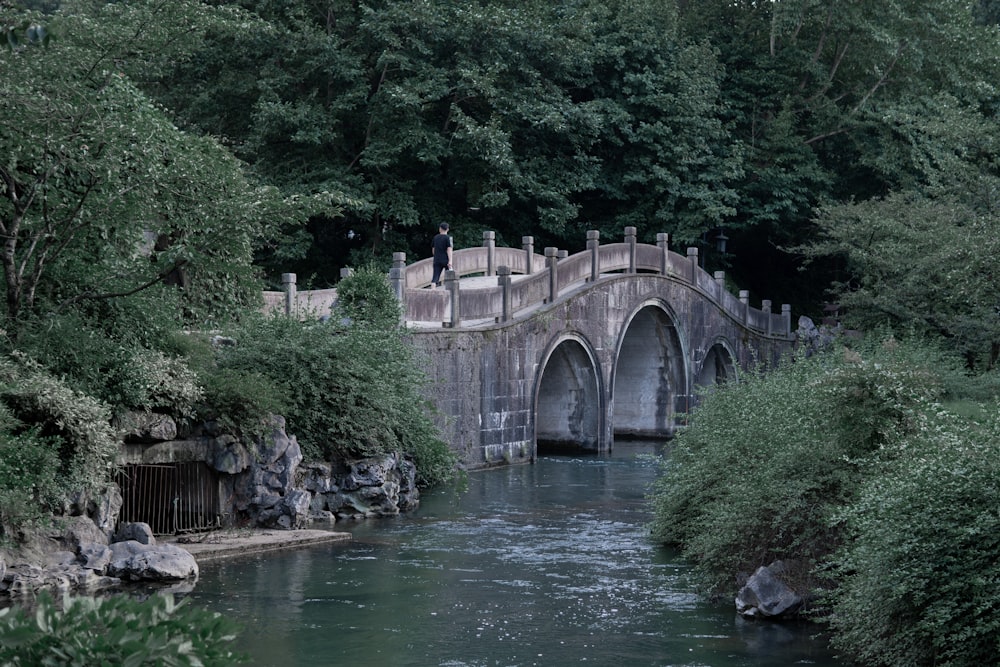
<point x="544" y="564"/>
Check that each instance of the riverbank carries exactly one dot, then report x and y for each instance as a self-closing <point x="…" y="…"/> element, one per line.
<point x="233" y="543"/>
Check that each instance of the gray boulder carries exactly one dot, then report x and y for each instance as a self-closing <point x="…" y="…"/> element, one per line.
<point x="146" y="427"/>
<point x="134" y="561"/>
<point x="137" y="530"/>
<point x="765" y="595"/>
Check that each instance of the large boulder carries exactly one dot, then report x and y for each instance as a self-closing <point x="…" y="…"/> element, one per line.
<point x="766" y="595"/>
<point x="134" y="561"/>
<point x="139" y="531"/>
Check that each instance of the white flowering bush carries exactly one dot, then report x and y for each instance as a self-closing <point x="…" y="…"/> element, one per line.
<point x="766" y="461"/>
<point x="78" y="426"/>
<point x="919" y="575"/>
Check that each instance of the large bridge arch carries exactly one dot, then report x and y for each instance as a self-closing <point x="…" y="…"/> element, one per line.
<point x="569" y="404"/>
<point x="650" y="372"/>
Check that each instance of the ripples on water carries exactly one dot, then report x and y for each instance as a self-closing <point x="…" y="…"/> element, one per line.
<point x="544" y="564"/>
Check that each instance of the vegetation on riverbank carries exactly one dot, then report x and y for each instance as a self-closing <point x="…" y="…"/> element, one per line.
<point x="856" y="465"/>
<point x="116" y="631"/>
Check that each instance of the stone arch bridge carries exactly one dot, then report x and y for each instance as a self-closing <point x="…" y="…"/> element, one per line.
<point x="559" y="352"/>
<point x="529" y="352"/>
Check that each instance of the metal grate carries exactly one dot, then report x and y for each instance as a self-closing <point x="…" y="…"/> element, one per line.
<point x="171" y="497"/>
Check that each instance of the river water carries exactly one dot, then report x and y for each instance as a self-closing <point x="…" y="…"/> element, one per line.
<point x="544" y="564"/>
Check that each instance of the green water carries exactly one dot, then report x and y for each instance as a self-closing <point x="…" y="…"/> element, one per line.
<point x="544" y="564"/>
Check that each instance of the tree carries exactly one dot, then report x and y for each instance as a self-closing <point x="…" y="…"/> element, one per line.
<point x="815" y="89"/>
<point x="520" y="117"/>
<point x="101" y="196"/>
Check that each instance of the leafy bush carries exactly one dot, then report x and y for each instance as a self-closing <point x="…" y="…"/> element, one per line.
<point x="364" y="299"/>
<point x="28" y="484"/>
<point x="117" y="360"/>
<point x="767" y="460"/>
<point x="240" y="400"/>
<point x="115" y="631"/>
<point x="348" y="391"/>
<point x="79" y="425"/>
<point x="920" y="576"/>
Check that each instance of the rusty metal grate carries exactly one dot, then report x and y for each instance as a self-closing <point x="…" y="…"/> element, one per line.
<point x="171" y="497"/>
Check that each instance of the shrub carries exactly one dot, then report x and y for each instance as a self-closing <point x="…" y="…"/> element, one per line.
<point x="365" y="299"/>
<point x="920" y="576"/>
<point x="766" y="461"/>
<point x="77" y="425"/>
<point x="349" y="390"/>
<point x="115" y="631"/>
<point x="116" y="360"/>
<point x="28" y="483"/>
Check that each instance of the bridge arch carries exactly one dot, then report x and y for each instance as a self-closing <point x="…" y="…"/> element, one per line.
<point x="650" y="373"/>
<point x="569" y="407"/>
<point x="718" y="365"/>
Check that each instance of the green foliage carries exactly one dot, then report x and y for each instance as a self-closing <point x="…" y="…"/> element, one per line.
<point x="101" y="196"/>
<point x="767" y="460"/>
<point x="28" y="481"/>
<point x="920" y="575"/>
<point x="348" y="390"/>
<point x="116" y="631"/>
<point x="240" y="400"/>
<point x="848" y="462"/>
<point x="77" y="424"/>
<point x="364" y="298"/>
<point x="923" y="262"/>
<point x="112" y="362"/>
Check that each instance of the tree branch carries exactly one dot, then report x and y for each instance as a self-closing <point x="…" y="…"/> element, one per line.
<point x="111" y="295"/>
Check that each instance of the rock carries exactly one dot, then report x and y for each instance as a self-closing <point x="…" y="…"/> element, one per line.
<point x="146" y="427"/>
<point x="95" y="557"/>
<point x="134" y="561"/>
<point x="229" y="455"/>
<point x="107" y="507"/>
<point x="766" y="595"/>
<point x="77" y="530"/>
<point x="139" y="531"/>
<point x="272" y="447"/>
<point x="381" y="486"/>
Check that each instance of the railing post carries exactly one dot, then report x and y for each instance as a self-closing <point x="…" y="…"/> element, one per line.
<point x="745" y="300"/>
<point x="663" y="243"/>
<point x="594" y="246"/>
<point x="490" y="243"/>
<point x="720" y="278"/>
<point x="397" y="279"/>
<point x="765" y="306"/>
<point x="503" y="279"/>
<point x="552" y="259"/>
<point x="528" y="243"/>
<point x="288" y="287"/>
<point x="451" y="284"/>
<point x="693" y="256"/>
<point x="786" y="316"/>
<point x="630" y="240"/>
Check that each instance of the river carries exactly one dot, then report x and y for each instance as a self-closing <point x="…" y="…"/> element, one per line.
<point x="544" y="564"/>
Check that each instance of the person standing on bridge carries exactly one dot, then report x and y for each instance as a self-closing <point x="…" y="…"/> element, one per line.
<point x="441" y="247"/>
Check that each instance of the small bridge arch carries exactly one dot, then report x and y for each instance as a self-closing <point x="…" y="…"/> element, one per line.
<point x="717" y="366"/>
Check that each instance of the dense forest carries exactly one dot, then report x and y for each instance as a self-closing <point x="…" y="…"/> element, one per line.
<point x="163" y="161"/>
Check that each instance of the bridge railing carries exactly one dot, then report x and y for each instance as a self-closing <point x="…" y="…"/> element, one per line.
<point x="525" y="279"/>
<point x="512" y="280"/>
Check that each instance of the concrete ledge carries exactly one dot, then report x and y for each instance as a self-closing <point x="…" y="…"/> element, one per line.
<point x="228" y="544"/>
